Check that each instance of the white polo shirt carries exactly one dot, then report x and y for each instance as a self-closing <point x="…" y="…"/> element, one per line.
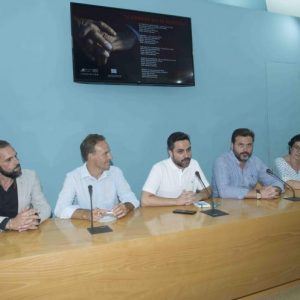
<point x="168" y="181"/>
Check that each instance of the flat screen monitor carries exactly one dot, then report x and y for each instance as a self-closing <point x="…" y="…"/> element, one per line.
<point x="121" y="46"/>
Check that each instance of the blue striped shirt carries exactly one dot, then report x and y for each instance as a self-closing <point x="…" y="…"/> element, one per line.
<point x="230" y="181"/>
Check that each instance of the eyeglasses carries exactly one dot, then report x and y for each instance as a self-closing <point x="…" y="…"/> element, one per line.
<point x="296" y="148"/>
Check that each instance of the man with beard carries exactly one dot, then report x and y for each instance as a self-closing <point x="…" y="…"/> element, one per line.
<point x="22" y="203"/>
<point x="236" y="173"/>
<point x="173" y="181"/>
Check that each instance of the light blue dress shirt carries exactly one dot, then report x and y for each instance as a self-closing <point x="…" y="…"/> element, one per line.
<point x="108" y="190"/>
<point x="230" y="181"/>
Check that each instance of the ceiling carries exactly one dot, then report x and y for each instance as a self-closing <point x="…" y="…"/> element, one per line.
<point x="285" y="7"/>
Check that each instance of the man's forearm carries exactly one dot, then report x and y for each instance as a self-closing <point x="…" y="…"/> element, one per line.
<point x="148" y="199"/>
<point x="82" y="214"/>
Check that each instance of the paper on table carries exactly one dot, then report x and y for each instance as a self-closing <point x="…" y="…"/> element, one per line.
<point x="202" y="204"/>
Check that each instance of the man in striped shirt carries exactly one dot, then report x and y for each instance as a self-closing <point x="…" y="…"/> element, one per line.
<point x="236" y="173"/>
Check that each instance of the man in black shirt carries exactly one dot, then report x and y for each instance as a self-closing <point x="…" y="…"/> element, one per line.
<point x="22" y="203"/>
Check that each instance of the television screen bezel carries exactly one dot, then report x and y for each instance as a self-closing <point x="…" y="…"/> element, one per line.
<point x="136" y="82"/>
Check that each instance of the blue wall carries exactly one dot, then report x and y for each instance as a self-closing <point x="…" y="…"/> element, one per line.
<point x="247" y="75"/>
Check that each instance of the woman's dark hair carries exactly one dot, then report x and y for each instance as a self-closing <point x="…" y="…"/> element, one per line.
<point x="292" y="141"/>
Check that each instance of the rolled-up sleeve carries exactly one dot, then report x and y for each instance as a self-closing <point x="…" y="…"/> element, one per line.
<point x="153" y="180"/>
<point x="267" y="179"/>
<point x="124" y="192"/>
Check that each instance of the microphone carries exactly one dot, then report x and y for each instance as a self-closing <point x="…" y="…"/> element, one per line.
<point x="213" y="212"/>
<point x="92" y="229"/>
<point x="90" y="187"/>
<point x="294" y="198"/>
<point x="206" y="190"/>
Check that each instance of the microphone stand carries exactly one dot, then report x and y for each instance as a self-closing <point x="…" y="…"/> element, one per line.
<point x="213" y="212"/>
<point x="294" y="198"/>
<point x="92" y="229"/>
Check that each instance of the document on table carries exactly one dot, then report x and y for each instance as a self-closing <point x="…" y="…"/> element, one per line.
<point x="202" y="204"/>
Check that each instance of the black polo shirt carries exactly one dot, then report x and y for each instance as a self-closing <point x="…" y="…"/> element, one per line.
<point x="8" y="203"/>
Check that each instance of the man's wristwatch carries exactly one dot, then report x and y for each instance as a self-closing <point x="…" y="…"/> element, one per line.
<point x="258" y="194"/>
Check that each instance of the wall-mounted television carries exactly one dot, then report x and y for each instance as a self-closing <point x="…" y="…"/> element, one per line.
<point x="121" y="46"/>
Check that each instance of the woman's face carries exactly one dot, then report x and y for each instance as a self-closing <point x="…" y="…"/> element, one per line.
<point x="295" y="150"/>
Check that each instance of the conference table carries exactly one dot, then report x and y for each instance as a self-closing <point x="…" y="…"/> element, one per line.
<point x="153" y="253"/>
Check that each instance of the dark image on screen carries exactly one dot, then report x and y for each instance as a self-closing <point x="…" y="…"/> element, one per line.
<point x="112" y="45"/>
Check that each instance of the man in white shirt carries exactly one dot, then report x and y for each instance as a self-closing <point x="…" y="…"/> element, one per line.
<point x="111" y="192"/>
<point x="175" y="181"/>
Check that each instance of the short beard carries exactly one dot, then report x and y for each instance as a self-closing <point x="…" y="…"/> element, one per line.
<point x="238" y="156"/>
<point x="182" y="165"/>
<point x="13" y="174"/>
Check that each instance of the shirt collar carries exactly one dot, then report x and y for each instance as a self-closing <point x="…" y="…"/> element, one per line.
<point x="175" y="167"/>
<point x="86" y="174"/>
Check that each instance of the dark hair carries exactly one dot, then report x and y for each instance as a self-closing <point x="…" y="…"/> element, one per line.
<point x="88" y="145"/>
<point x="4" y="144"/>
<point x="242" y="132"/>
<point x="293" y="140"/>
<point x="175" y="137"/>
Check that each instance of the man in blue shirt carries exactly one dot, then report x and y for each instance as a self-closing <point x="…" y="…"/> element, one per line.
<point x="236" y="173"/>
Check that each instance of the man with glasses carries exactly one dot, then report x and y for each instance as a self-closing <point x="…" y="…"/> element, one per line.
<point x="288" y="166"/>
<point x="236" y="173"/>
